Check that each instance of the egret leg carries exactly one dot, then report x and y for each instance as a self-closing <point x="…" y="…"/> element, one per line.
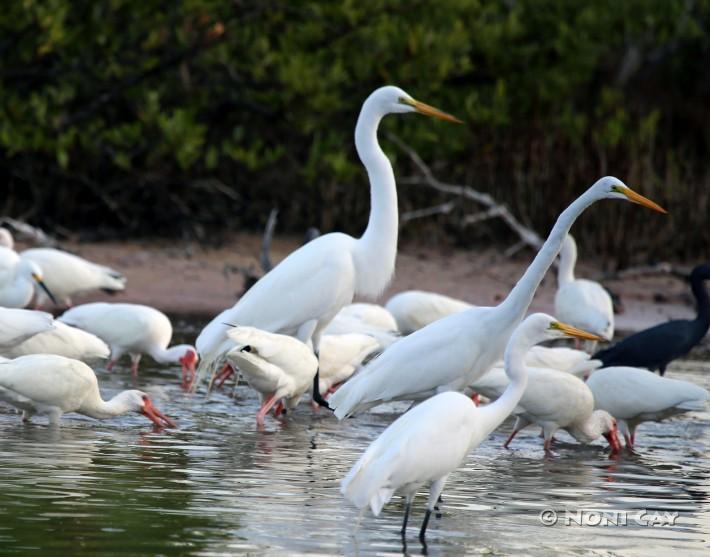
<point x="434" y="493"/>
<point x="407" y="508"/>
<point x="317" y="397"/>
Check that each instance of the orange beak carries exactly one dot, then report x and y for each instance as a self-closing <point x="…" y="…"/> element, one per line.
<point x="613" y="438"/>
<point x="155" y="415"/>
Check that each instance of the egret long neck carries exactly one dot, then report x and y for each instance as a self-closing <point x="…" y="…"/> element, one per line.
<point x="568" y="259"/>
<point x="495" y="413"/>
<point x="377" y="248"/>
<point x="518" y="301"/>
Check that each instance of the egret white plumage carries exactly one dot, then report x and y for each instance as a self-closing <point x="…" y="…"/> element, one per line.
<point x="133" y="329"/>
<point x="278" y="367"/>
<point x="62" y="340"/>
<point x="414" y="309"/>
<point x="581" y="302"/>
<point x="17" y="325"/>
<point x="430" y="441"/>
<point x="634" y="395"/>
<point x="68" y="275"/>
<point x="367" y="319"/>
<point x="18" y="278"/>
<point x="306" y="290"/>
<point x="554" y="400"/>
<point x="453" y="352"/>
<point x="53" y="385"/>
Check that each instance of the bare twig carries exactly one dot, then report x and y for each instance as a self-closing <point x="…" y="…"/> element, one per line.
<point x="442" y="209"/>
<point x="493" y="207"/>
<point x="28" y="232"/>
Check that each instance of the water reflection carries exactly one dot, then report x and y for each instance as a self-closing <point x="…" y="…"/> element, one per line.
<point x="219" y="486"/>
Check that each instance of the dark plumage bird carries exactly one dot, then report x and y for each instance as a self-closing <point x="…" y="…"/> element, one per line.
<point x="656" y="347"/>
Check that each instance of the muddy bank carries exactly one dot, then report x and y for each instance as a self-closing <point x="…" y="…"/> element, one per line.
<point x="189" y="279"/>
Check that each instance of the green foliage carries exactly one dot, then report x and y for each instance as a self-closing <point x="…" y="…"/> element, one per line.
<point x="164" y="117"/>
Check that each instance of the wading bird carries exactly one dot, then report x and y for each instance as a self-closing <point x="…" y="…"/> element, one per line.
<point x="133" y="329"/>
<point x="68" y="275"/>
<point x="656" y="347"/>
<point x="414" y="309"/>
<point x="581" y="302"/>
<point x="17" y="280"/>
<point x="430" y="441"/>
<point x="554" y="400"/>
<point x="53" y="385"/>
<point x="453" y="352"/>
<point x="308" y="288"/>
<point x="279" y="367"/>
<point x="634" y="395"/>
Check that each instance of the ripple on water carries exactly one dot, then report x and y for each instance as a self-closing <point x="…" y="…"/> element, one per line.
<point x="217" y="486"/>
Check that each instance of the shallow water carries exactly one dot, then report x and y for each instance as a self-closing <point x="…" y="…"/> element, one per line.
<point x="217" y="486"/>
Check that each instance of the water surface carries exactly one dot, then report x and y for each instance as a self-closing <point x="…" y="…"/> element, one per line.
<point x="218" y="486"/>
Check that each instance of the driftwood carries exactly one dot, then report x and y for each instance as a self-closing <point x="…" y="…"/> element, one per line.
<point x="492" y="208"/>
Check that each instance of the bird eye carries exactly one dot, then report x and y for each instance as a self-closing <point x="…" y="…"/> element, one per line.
<point x="247" y="348"/>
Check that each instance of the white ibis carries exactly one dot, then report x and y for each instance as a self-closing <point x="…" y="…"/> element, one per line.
<point x="415" y="309"/>
<point x="62" y="340"/>
<point x="54" y="385"/>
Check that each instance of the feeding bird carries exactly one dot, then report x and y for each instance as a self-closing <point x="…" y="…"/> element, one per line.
<point x="414" y="309"/>
<point x="278" y="367"/>
<point x="634" y="396"/>
<point x="133" y="329"/>
<point x="581" y="302"/>
<point x="655" y="347"/>
<point x="430" y="441"/>
<point x="68" y="275"/>
<point x="17" y="280"/>
<point x="554" y="400"/>
<point x="453" y="352"/>
<point x="53" y="385"/>
<point x="308" y="288"/>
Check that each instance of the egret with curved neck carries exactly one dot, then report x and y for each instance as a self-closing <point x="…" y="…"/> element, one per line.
<point x="304" y="292"/>
<point x="453" y="352"/>
<point x="427" y="443"/>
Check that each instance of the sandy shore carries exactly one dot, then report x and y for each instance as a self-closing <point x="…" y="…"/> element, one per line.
<point x="189" y="279"/>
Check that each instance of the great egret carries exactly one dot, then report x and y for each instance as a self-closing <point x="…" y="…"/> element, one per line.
<point x="276" y="366"/>
<point x="430" y="441"/>
<point x="553" y="400"/>
<point x="53" y="385"/>
<point x="133" y="329"/>
<point x="17" y="280"/>
<point x="414" y="309"/>
<point x="63" y="340"/>
<point x="581" y="302"/>
<point x="68" y="275"/>
<point x="656" y="347"/>
<point x="453" y="352"/>
<point x="306" y="290"/>
<point x="634" y="395"/>
<point x="17" y="325"/>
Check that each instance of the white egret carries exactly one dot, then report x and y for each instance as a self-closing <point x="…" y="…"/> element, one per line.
<point x="553" y="400"/>
<point x="581" y="302"/>
<point x="17" y="325"/>
<point x="430" y="441"/>
<point x="453" y="352"/>
<point x="276" y="366"/>
<point x="133" y="329"/>
<point x="63" y="340"/>
<point x="53" y="385"/>
<point x="306" y="290"/>
<point x="17" y="280"/>
<point x="635" y="395"/>
<point x="68" y="275"/>
<point x="415" y="309"/>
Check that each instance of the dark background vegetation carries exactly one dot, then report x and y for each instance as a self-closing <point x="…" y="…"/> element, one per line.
<point x="193" y="118"/>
